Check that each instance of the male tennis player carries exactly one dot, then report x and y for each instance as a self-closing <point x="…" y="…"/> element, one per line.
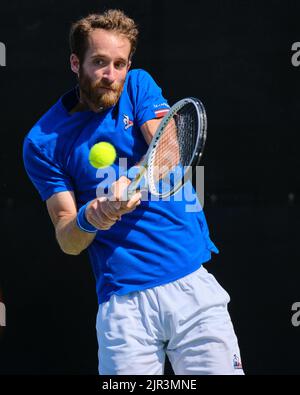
<point x="155" y="297"/>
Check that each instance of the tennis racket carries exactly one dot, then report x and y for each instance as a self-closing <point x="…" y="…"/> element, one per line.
<point x="176" y="147"/>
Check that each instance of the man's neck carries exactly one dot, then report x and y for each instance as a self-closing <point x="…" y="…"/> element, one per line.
<point x="79" y="107"/>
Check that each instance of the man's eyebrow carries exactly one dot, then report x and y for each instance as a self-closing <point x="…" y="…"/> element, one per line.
<point x="98" y="55"/>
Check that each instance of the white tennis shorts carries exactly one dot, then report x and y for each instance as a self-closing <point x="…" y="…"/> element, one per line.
<point x="186" y="319"/>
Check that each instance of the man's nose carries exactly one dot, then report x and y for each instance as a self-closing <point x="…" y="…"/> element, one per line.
<point x="109" y="73"/>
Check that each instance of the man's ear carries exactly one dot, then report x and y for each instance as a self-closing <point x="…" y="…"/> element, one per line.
<point x="75" y="64"/>
<point x="129" y="65"/>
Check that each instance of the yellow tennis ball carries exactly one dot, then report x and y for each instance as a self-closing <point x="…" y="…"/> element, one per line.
<point x="102" y="154"/>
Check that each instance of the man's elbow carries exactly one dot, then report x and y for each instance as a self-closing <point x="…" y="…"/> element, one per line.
<point x="70" y="250"/>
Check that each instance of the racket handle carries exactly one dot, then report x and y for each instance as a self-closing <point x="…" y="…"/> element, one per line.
<point x="134" y="185"/>
<point x="130" y="190"/>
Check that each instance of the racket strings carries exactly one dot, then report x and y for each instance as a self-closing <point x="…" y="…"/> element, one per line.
<point x="175" y="147"/>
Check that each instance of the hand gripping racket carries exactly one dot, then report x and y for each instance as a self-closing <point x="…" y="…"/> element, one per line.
<point x="176" y="147"/>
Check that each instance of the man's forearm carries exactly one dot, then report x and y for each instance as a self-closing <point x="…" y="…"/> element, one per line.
<point x="74" y="230"/>
<point x="70" y="238"/>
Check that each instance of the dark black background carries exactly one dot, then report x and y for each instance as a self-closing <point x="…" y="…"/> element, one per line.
<point x="236" y="57"/>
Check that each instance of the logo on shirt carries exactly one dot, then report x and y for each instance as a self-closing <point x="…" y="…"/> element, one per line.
<point x="161" y="104"/>
<point x="236" y="362"/>
<point x="127" y="122"/>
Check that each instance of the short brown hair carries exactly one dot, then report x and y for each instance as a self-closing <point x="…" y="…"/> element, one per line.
<point x="112" y="20"/>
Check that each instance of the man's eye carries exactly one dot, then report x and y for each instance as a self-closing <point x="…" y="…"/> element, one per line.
<point x="120" y="65"/>
<point x="99" y="62"/>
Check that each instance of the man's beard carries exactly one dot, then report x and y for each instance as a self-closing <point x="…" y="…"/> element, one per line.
<point x="94" y="97"/>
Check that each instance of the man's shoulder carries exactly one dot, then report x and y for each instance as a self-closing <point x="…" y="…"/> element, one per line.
<point x="135" y="73"/>
<point x="45" y="127"/>
<point x="140" y="84"/>
<point x="138" y="76"/>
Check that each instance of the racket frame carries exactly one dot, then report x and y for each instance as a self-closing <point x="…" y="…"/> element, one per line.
<point x="197" y="153"/>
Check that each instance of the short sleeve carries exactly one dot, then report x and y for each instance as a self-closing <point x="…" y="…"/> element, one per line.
<point x="47" y="176"/>
<point x="150" y="103"/>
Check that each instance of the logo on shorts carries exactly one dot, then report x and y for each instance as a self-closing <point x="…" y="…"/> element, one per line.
<point x="236" y="362"/>
<point x="127" y="122"/>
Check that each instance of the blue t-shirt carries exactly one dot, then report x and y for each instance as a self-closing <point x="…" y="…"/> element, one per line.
<point x="158" y="242"/>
